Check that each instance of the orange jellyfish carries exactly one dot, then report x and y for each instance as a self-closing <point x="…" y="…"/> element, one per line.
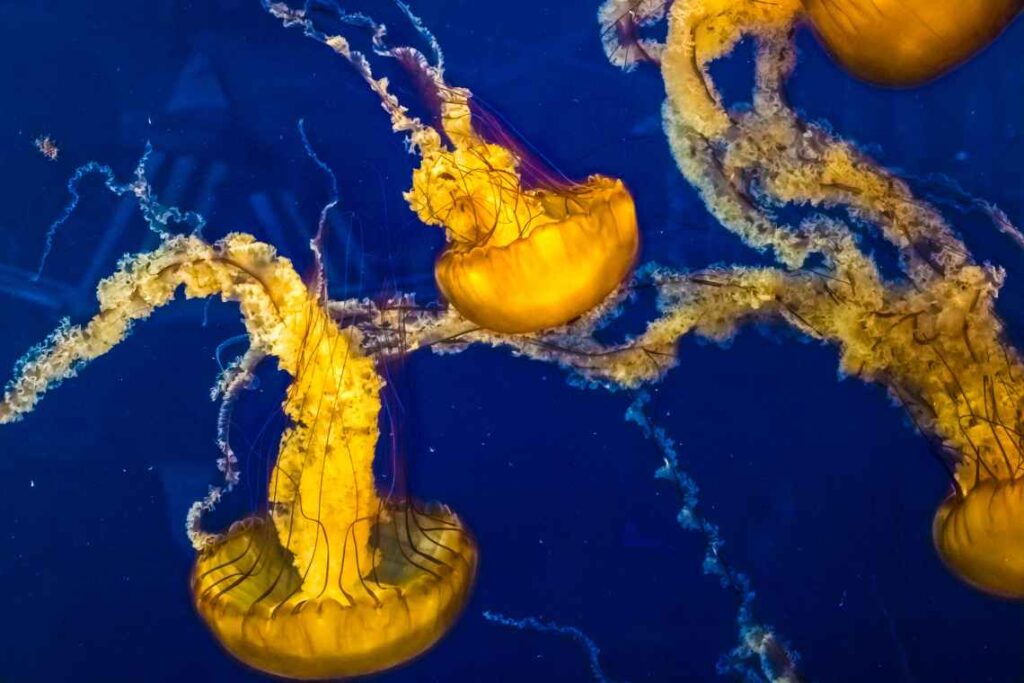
<point x="334" y="579"/>
<point x="521" y="256"/>
<point x="931" y="336"/>
<point x="519" y="260"/>
<point x="907" y="42"/>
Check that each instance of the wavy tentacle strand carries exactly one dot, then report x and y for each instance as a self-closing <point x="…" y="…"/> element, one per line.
<point x="710" y="304"/>
<point x="236" y="377"/>
<point x="549" y="627"/>
<point x="768" y="158"/>
<point x="760" y="655"/>
<point x="144" y="283"/>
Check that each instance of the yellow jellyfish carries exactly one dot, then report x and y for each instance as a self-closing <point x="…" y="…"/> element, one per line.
<point x="333" y="580"/>
<point x="932" y="336"/>
<point x="520" y="258"/>
<point x="907" y="42"/>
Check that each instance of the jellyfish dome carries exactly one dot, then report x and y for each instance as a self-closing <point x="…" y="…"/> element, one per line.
<point x="349" y="615"/>
<point x="532" y="259"/>
<point x="907" y="42"/>
<point x="980" y="537"/>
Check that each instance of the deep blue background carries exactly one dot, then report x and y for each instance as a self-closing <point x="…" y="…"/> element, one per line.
<point x="823" y="492"/>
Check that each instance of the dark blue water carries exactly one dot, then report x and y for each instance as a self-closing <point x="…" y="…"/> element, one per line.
<point x="823" y="492"/>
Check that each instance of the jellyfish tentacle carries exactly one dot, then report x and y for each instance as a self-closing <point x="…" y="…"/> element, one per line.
<point x="542" y="626"/>
<point x="143" y="284"/>
<point x="757" y="641"/>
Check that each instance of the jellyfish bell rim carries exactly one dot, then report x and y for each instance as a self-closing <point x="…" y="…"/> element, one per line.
<point x="607" y="249"/>
<point x="250" y="636"/>
<point x="979" y="536"/>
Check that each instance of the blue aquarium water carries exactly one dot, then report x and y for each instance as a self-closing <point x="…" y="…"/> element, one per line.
<point x="752" y="514"/>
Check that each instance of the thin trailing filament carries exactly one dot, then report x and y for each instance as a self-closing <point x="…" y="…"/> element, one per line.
<point x="541" y="626"/>
<point x="158" y="216"/>
<point x="759" y="655"/>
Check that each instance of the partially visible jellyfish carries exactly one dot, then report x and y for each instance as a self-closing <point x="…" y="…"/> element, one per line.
<point x="932" y="337"/>
<point x="907" y="42"/>
<point x="527" y="250"/>
<point x="896" y="43"/>
<point x="334" y="579"/>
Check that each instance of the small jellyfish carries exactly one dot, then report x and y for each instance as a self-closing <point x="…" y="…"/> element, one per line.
<point x="527" y="250"/>
<point x="907" y="42"/>
<point x="519" y="260"/>
<point x="932" y="336"/>
<point x="334" y="579"/>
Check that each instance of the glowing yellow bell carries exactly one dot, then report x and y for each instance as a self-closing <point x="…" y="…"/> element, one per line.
<point x="980" y="537"/>
<point x="907" y="42"/>
<point x="582" y="245"/>
<point x="264" y="611"/>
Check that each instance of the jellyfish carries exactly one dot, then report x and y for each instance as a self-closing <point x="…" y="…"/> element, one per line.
<point x="932" y="336"/>
<point x="334" y="579"/>
<point x="520" y="260"/>
<point x="526" y="249"/>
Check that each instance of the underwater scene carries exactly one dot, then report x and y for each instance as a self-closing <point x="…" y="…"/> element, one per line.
<point x="450" y="340"/>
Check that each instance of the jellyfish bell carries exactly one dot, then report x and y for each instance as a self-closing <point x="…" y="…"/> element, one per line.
<point x="574" y="247"/>
<point x="980" y="537"/>
<point x="393" y="602"/>
<point x="521" y="256"/>
<point x="907" y="42"/>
